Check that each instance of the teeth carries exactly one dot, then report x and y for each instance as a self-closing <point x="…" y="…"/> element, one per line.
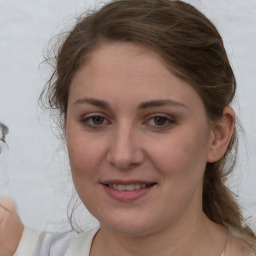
<point x="130" y="187"/>
<point x="138" y="186"/>
<point x="120" y="187"/>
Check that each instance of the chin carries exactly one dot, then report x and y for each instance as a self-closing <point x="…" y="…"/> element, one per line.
<point x="130" y="226"/>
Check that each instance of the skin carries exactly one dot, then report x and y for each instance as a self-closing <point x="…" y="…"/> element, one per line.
<point x="129" y="142"/>
<point x="115" y="132"/>
<point x="11" y="227"/>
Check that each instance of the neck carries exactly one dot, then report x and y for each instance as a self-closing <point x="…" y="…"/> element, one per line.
<point x="197" y="236"/>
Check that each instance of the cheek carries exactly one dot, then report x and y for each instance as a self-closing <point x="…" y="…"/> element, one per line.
<point x="181" y="163"/>
<point x="183" y="155"/>
<point x="84" y="156"/>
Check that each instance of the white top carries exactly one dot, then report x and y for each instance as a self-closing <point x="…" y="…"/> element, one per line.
<point x="27" y="243"/>
<point x="34" y="243"/>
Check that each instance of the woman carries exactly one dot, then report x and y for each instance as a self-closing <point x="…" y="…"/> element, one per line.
<point x="143" y="89"/>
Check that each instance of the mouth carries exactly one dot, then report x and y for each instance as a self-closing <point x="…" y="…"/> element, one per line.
<point x="129" y="187"/>
<point x="127" y="191"/>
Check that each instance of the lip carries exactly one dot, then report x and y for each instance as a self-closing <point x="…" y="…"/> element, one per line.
<point x="127" y="182"/>
<point x="127" y="196"/>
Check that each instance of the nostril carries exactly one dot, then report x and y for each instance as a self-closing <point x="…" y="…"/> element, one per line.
<point x="125" y="159"/>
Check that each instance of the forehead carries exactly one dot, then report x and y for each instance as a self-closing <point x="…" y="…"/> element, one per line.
<point x="124" y="58"/>
<point x="130" y="73"/>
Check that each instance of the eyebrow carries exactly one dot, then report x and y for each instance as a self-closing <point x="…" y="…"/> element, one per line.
<point x="93" y="101"/>
<point x="161" y="103"/>
<point x="143" y="105"/>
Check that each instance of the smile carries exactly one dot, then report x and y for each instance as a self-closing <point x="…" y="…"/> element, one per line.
<point x="130" y="187"/>
<point x="121" y="191"/>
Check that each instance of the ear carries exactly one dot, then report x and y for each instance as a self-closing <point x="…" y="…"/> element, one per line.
<point x="221" y="133"/>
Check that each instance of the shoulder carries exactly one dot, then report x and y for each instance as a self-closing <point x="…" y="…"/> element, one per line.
<point x="55" y="244"/>
<point x="236" y="247"/>
<point x="43" y="243"/>
<point x="27" y="242"/>
<point x="81" y="245"/>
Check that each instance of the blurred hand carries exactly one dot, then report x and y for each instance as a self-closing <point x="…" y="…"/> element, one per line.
<point x="11" y="227"/>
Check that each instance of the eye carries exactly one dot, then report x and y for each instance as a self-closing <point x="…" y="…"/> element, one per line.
<point x="95" y="121"/>
<point x="160" y="121"/>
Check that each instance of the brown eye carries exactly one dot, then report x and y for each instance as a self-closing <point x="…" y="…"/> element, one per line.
<point x="160" y="120"/>
<point x="97" y="120"/>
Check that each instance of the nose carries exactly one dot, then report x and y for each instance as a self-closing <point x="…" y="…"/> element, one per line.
<point x="125" y="151"/>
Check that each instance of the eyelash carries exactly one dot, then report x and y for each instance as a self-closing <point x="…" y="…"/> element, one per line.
<point x="168" y="121"/>
<point x="87" y="121"/>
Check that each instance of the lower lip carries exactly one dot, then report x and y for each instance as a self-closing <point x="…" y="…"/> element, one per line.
<point x="126" y="196"/>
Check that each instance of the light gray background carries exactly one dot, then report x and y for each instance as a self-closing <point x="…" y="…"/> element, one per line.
<point x="37" y="170"/>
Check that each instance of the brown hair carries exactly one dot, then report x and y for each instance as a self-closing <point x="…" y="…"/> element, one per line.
<point x="193" y="49"/>
<point x="3" y="131"/>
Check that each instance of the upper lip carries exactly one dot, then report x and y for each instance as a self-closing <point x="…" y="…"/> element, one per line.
<point x="126" y="182"/>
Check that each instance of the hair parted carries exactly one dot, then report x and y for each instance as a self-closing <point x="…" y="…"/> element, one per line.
<point x="193" y="50"/>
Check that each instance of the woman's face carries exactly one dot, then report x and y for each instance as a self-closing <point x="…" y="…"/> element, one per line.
<point x="138" y="140"/>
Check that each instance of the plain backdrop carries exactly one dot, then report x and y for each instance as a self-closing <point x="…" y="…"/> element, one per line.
<point x="37" y="168"/>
